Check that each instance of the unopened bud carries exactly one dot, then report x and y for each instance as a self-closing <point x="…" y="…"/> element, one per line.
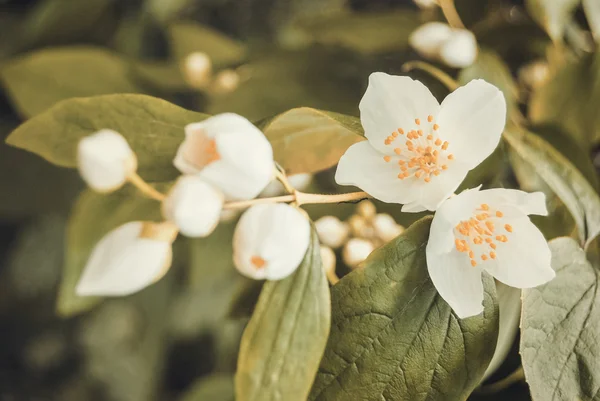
<point x="386" y="227"/>
<point x="226" y="81"/>
<point x="366" y="209"/>
<point x="460" y="50"/>
<point x="359" y="227"/>
<point x="329" y="263"/>
<point x="105" y="160"/>
<point x="198" y="70"/>
<point x="534" y="74"/>
<point x="332" y="232"/>
<point x="428" y="39"/>
<point x="426" y="3"/>
<point x="356" y="251"/>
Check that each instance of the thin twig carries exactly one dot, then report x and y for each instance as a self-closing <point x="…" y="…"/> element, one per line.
<point x="145" y="188"/>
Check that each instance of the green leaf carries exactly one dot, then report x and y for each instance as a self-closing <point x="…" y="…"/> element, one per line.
<point x="490" y="67"/>
<point x="394" y="338"/>
<point x="552" y="15"/>
<point x="307" y="140"/>
<point x="217" y="387"/>
<point x="562" y="177"/>
<point x="38" y="80"/>
<point x="559" y="329"/>
<point x="569" y="100"/>
<point x="153" y="127"/>
<point x="93" y="216"/>
<point x="188" y="37"/>
<point x="164" y="77"/>
<point x="365" y="33"/>
<point x="283" y="343"/>
<point x="592" y="12"/>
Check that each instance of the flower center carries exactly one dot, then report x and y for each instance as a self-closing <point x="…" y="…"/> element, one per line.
<point x="478" y="236"/>
<point x="258" y="262"/>
<point x="211" y="151"/>
<point x="423" y="155"/>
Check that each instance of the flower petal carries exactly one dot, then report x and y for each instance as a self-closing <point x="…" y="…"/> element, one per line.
<point x="123" y="263"/>
<point x="472" y="119"/>
<point x="524" y="260"/>
<point x="458" y="283"/>
<point x="527" y="203"/>
<point x="393" y="102"/>
<point x="364" y="167"/>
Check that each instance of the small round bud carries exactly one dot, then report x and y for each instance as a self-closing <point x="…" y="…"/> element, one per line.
<point x="534" y="74"/>
<point x="366" y="209"/>
<point x="428" y="39"/>
<point x="128" y="259"/>
<point x="329" y="263"/>
<point x="270" y="241"/>
<point x="386" y="227"/>
<point x="359" y="227"/>
<point x="198" y="70"/>
<point x="356" y="251"/>
<point x="460" y="50"/>
<point x="105" y="160"/>
<point x="426" y="3"/>
<point x="226" y="81"/>
<point x="194" y="206"/>
<point x="332" y="232"/>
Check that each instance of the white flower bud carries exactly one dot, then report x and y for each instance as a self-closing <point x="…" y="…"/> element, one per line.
<point x="226" y="81"/>
<point x="332" y="232"/>
<point x="366" y="209"/>
<point x="426" y="3"/>
<point x="359" y="227"/>
<point x="270" y="241"/>
<point x="534" y="74"/>
<point x="428" y="39"/>
<point x="460" y="50"/>
<point x="128" y="259"/>
<point x="105" y="160"/>
<point x="386" y="227"/>
<point x="230" y="153"/>
<point x="329" y="263"/>
<point x="194" y="206"/>
<point x="198" y="70"/>
<point x="298" y="181"/>
<point x="356" y="251"/>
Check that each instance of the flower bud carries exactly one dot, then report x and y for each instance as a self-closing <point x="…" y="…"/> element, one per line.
<point x="428" y="39"/>
<point x="386" y="227"/>
<point x="194" y="206"/>
<point x="534" y="74"/>
<point x="332" y="232"/>
<point x="366" y="209"/>
<point x="298" y="181"/>
<point x="460" y="50"/>
<point x="356" y="251"/>
<point x="329" y="263"/>
<point x="105" y="160"/>
<point x="128" y="259"/>
<point x="226" y="81"/>
<point x="198" y="70"/>
<point x="426" y="3"/>
<point x="228" y="152"/>
<point x="359" y="227"/>
<point x="270" y="241"/>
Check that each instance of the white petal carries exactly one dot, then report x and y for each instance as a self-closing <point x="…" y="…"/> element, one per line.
<point x="270" y="241"/>
<point x="429" y="38"/>
<point x="455" y="280"/>
<point x="472" y="119"/>
<point x="528" y="203"/>
<point x="105" y="159"/>
<point x="509" y="303"/>
<point x="123" y="263"/>
<point x="364" y="167"/>
<point x="524" y="260"/>
<point x="460" y="49"/>
<point x="393" y="102"/>
<point x="194" y="206"/>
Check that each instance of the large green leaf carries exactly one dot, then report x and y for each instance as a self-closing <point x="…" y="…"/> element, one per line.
<point x="153" y="127"/>
<point x="366" y="33"/>
<point x="559" y="329"/>
<point x="307" y="140"/>
<point x="394" y="338"/>
<point x="38" y="80"/>
<point x="283" y="343"/>
<point x="92" y="217"/>
<point x="552" y="15"/>
<point x="562" y="177"/>
<point x="569" y="99"/>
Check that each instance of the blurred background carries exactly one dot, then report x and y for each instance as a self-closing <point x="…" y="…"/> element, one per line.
<point x="178" y="339"/>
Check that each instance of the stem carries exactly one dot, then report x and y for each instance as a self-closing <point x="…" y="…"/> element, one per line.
<point x="284" y="181"/>
<point x="248" y="203"/>
<point x="144" y="187"/>
<point x="451" y="15"/>
<point x="515" y="377"/>
<point x="301" y="199"/>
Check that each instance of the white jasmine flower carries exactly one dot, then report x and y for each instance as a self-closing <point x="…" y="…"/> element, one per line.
<point x="332" y="232"/>
<point x="128" y="259"/>
<point x="105" y="160"/>
<point x="429" y="38"/>
<point x="298" y="181"/>
<point x="356" y="251"/>
<point x="460" y="50"/>
<point x="198" y="70"/>
<point x="418" y="151"/>
<point x="486" y="230"/>
<point x="386" y="227"/>
<point x="270" y="241"/>
<point x="194" y="206"/>
<point x="229" y="152"/>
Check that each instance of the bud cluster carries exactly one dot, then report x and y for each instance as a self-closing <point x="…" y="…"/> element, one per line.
<point x="199" y="73"/>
